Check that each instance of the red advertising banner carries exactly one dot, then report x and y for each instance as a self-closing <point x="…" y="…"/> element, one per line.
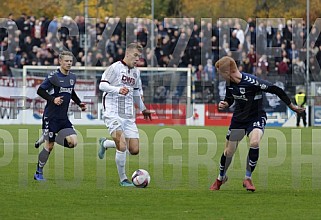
<point x="215" y="118"/>
<point x="165" y="114"/>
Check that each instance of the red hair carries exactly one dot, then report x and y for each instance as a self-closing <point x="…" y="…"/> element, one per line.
<point x="226" y="64"/>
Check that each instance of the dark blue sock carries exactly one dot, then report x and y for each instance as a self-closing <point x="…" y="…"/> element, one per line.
<point x="66" y="144"/>
<point x="252" y="159"/>
<point x="222" y="165"/>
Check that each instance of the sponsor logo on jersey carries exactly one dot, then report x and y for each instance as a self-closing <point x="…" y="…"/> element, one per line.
<point x="68" y="90"/>
<point x="242" y="97"/>
<point x="127" y="80"/>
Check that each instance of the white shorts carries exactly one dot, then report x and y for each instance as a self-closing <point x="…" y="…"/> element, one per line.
<point x="128" y="126"/>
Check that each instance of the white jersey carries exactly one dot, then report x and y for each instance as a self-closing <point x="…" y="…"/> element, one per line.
<point x="120" y="75"/>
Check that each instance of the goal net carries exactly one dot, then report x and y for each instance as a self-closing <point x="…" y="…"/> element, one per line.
<point x="166" y="90"/>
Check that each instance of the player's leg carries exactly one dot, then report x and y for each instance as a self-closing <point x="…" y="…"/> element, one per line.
<point x="224" y="164"/>
<point x="120" y="157"/>
<point x="226" y="158"/>
<point x="43" y="156"/>
<point x="71" y="141"/>
<point x="132" y="136"/>
<point x="233" y="137"/>
<point x="252" y="158"/>
<point x="41" y="139"/>
<point x="253" y="155"/>
<point x="255" y="133"/>
<point x="42" y="160"/>
<point x="67" y="135"/>
<point x="133" y="146"/>
<point x="104" y="143"/>
<point x="116" y="130"/>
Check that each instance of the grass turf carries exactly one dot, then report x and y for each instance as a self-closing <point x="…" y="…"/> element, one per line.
<point x="183" y="162"/>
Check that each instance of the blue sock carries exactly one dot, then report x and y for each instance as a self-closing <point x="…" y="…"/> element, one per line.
<point x="248" y="173"/>
<point x="39" y="169"/>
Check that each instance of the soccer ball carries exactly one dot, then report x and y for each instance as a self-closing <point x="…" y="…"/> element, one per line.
<point x="141" y="178"/>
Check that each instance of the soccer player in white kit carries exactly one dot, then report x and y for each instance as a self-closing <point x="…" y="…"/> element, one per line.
<point x="122" y="88"/>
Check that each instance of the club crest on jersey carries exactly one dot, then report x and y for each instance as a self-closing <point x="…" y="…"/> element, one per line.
<point x="242" y="90"/>
<point x="128" y="80"/>
<point x="263" y="86"/>
<point x="135" y="74"/>
<point x="72" y="82"/>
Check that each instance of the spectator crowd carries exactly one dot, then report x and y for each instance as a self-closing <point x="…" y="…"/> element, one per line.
<point x="29" y="40"/>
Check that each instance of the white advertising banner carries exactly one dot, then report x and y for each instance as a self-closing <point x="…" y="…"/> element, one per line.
<point x="22" y="105"/>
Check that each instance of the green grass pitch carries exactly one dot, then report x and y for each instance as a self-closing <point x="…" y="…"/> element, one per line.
<point x="183" y="163"/>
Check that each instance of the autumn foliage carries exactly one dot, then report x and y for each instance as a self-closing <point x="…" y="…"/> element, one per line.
<point x="164" y="8"/>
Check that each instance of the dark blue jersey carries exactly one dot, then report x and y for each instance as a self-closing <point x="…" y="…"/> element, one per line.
<point x="57" y="84"/>
<point x="247" y="97"/>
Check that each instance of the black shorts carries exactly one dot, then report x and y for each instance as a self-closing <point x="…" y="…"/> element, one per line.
<point x="51" y="127"/>
<point x="238" y="130"/>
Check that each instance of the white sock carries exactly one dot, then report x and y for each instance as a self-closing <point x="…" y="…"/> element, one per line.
<point x="109" y="144"/>
<point x="120" y="159"/>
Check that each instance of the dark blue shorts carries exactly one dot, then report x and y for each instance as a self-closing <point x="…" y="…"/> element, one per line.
<point x="51" y="127"/>
<point x="238" y="130"/>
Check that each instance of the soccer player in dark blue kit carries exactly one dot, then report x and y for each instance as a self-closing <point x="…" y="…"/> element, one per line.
<point x="58" y="90"/>
<point x="249" y="118"/>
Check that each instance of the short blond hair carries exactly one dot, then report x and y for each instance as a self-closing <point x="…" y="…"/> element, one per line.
<point x="65" y="53"/>
<point x="226" y="64"/>
<point x="137" y="46"/>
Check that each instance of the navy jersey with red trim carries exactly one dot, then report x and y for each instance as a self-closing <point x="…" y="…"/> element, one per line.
<point x="247" y="97"/>
<point x="58" y="84"/>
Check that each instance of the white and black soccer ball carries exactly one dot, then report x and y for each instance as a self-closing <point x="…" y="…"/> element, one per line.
<point x="141" y="178"/>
